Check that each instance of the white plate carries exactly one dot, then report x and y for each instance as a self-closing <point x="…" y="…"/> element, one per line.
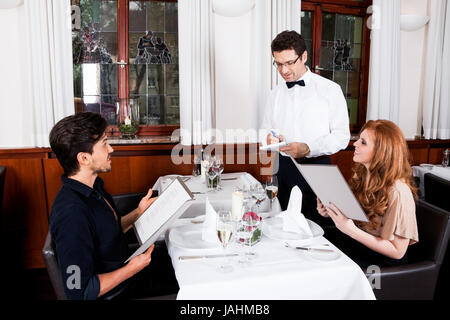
<point x="190" y="237"/>
<point x="273" y="228"/>
<point x="324" y="256"/>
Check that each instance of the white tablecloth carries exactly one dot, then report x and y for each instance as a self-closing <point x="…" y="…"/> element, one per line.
<point x="276" y="273"/>
<point x="438" y="170"/>
<point x="218" y="199"/>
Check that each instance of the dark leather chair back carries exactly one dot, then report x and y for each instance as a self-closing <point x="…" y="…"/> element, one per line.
<point x="125" y="203"/>
<point x="437" y="191"/>
<point x="2" y="186"/>
<point x="434" y="231"/>
<point x="51" y="262"/>
<point x="418" y="278"/>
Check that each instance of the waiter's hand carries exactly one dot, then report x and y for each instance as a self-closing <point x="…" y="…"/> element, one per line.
<point x="271" y="139"/>
<point x="295" y="149"/>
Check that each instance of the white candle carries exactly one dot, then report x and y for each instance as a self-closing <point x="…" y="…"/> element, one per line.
<point x="237" y="201"/>
<point x="127" y="121"/>
<point x="204" y="164"/>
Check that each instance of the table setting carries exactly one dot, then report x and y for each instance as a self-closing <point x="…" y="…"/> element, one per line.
<point x="237" y="243"/>
<point x="442" y="171"/>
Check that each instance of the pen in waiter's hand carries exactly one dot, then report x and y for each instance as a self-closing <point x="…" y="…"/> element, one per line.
<point x="274" y="134"/>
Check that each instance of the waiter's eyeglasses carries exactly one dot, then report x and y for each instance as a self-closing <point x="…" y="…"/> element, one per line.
<point x="287" y="64"/>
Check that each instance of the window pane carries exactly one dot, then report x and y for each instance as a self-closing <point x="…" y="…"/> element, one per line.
<point x="307" y="22"/>
<point x="138" y="79"/>
<point x="94" y="46"/>
<point x="171" y="17"/>
<point x="137" y="18"/>
<point x="108" y="108"/>
<point x="155" y="49"/>
<point x="108" y="78"/>
<point x="108" y="16"/>
<point x="155" y="109"/>
<point x="155" y="16"/>
<point x="340" y="55"/>
<point x="156" y="79"/>
<point x="142" y="105"/>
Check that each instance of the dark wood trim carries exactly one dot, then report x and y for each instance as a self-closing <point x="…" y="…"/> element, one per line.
<point x="349" y="3"/>
<point x="317" y="37"/>
<point x="364" y="80"/>
<point x="122" y="41"/>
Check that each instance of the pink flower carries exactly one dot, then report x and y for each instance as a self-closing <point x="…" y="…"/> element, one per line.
<point x="250" y="216"/>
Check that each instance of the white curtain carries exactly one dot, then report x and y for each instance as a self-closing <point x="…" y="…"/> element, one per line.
<point x="436" y="103"/>
<point x="48" y="41"/>
<point x="196" y="60"/>
<point x="384" y="76"/>
<point x="283" y="15"/>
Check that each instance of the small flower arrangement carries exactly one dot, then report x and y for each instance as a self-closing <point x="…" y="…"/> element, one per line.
<point x="251" y="223"/>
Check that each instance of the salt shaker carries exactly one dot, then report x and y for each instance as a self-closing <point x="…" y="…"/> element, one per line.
<point x="446" y="160"/>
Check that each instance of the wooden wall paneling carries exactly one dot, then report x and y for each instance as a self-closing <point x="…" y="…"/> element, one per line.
<point x="344" y="160"/>
<point x="24" y="219"/>
<point x="436" y="155"/>
<point x="419" y="154"/>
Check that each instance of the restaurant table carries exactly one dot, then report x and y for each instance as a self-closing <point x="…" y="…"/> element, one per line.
<point x="438" y="170"/>
<point x="277" y="272"/>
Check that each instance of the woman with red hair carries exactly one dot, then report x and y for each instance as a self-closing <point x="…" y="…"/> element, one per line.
<point x="382" y="183"/>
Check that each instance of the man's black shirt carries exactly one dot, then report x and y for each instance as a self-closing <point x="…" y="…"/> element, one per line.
<point x="87" y="235"/>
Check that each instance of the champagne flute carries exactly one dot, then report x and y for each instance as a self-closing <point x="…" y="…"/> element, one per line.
<point x="224" y="229"/>
<point x="272" y="189"/>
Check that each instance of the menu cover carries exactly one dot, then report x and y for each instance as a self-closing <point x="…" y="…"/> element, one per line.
<point x="329" y="185"/>
<point x="160" y="215"/>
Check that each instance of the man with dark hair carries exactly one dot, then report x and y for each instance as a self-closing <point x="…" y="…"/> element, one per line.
<point x="84" y="223"/>
<point x="306" y="111"/>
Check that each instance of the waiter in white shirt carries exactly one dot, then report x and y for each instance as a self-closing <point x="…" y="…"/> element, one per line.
<point x="308" y="112"/>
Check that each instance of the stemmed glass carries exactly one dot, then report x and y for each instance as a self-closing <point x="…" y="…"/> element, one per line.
<point x="259" y="194"/>
<point x="219" y="166"/>
<point x="246" y="230"/>
<point x="271" y="187"/>
<point x="224" y="229"/>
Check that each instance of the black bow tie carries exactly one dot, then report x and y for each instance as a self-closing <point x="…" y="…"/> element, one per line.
<point x="290" y="85"/>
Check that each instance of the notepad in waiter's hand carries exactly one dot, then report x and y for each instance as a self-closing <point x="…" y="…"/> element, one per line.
<point x="274" y="146"/>
<point x="160" y="215"/>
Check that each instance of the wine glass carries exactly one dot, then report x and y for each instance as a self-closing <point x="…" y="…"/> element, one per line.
<point x="211" y="178"/>
<point x="246" y="231"/>
<point x="271" y="187"/>
<point x="224" y="229"/>
<point x="259" y="194"/>
<point x="219" y="167"/>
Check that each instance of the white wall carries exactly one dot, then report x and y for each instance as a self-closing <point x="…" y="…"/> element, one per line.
<point x="13" y="77"/>
<point x="412" y="66"/>
<point x="235" y="107"/>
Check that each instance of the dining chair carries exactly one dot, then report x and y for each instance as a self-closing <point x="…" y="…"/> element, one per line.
<point x="437" y="191"/>
<point x="124" y="203"/>
<point x="2" y="188"/>
<point x="418" y="278"/>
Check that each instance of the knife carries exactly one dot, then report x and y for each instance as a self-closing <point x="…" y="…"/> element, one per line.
<point x="210" y="256"/>
<point x="314" y="249"/>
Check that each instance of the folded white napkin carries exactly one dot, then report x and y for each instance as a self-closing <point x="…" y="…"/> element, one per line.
<point x="293" y="218"/>
<point x="209" y="232"/>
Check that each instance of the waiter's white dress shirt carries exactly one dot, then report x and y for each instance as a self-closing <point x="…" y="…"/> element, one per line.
<point x="315" y="114"/>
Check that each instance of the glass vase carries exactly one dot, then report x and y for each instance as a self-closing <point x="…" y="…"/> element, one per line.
<point x="128" y="119"/>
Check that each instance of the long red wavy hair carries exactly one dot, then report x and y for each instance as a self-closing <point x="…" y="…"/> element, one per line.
<point x="390" y="162"/>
